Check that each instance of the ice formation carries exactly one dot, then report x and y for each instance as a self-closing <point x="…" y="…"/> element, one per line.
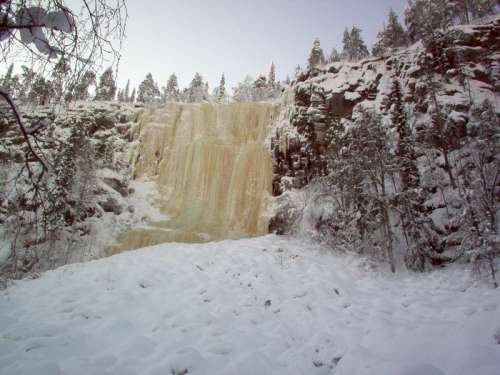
<point x="212" y="168"/>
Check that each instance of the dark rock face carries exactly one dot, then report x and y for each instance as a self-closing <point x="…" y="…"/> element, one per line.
<point x="117" y="185"/>
<point x="338" y="106"/>
<point x="110" y="204"/>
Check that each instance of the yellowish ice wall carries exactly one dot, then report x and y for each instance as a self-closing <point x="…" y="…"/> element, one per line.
<point x="212" y="167"/>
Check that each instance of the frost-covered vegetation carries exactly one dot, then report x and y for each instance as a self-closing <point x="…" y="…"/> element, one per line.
<point x="59" y="218"/>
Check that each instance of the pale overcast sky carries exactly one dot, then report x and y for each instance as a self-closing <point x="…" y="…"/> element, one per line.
<point x="238" y="37"/>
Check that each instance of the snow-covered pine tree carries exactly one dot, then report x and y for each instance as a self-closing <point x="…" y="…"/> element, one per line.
<point x="354" y="48"/>
<point x="360" y="164"/>
<point x="273" y="86"/>
<point x="334" y="56"/>
<point x="11" y="82"/>
<point x="106" y="90"/>
<point x="467" y="10"/>
<point x="316" y="56"/>
<point x="148" y="90"/>
<point x="346" y="45"/>
<point x="60" y="197"/>
<point x="126" y="92"/>
<point x="74" y="179"/>
<point x="423" y="17"/>
<point x="391" y="37"/>
<point x="298" y="70"/>
<point x="196" y="90"/>
<point x="27" y="79"/>
<point x="81" y="90"/>
<point x="380" y="47"/>
<point x="440" y="132"/>
<point x="408" y="171"/>
<point x="172" y="89"/>
<point x="480" y="188"/>
<point x="271" y="78"/>
<point x="206" y="95"/>
<point x="260" y="88"/>
<point x="243" y="91"/>
<point x="395" y="34"/>
<point x="221" y="92"/>
<point x="482" y="8"/>
<point x="120" y="96"/>
<point x="58" y="78"/>
<point x="377" y="164"/>
<point x="132" y="96"/>
<point x="41" y="91"/>
<point x="358" y="49"/>
<point x="416" y="228"/>
<point x="6" y="81"/>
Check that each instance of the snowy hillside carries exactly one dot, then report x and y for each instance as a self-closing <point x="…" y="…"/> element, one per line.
<point x="269" y="305"/>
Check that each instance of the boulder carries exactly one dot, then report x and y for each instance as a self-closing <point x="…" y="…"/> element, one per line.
<point x="117" y="185"/>
<point x="111" y="205"/>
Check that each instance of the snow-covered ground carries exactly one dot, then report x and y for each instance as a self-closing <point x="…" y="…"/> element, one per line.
<point x="268" y="305"/>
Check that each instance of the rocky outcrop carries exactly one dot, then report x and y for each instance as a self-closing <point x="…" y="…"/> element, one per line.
<point x="86" y="150"/>
<point x="457" y="69"/>
<point x="463" y="61"/>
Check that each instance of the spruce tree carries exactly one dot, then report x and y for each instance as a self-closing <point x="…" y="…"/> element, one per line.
<point x="222" y="89"/>
<point x="480" y="180"/>
<point x="358" y="50"/>
<point x="27" y="79"/>
<point x="271" y="79"/>
<point x="73" y="172"/>
<point x="6" y="81"/>
<point x="126" y="93"/>
<point x="395" y="34"/>
<point x="243" y="91"/>
<point x="424" y="17"/>
<point x="407" y="159"/>
<point x="148" y="90"/>
<point x="41" y="91"/>
<point x="298" y="70"/>
<point x="334" y="56"/>
<point x="260" y="88"/>
<point x="172" y="89"/>
<point x="380" y="47"/>
<point x="354" y="46"/>
<point x="132" y="96"/>
<point x="106" y="90"/>
<point x="206" y="96"/>
<point x="316" y="57"/>
<point x="377" y="163"/>
<point x="346" y="45"/>
<point x="81" y="90"/>
<point x="391" y="37"/>
<point x="467" y="10"/>
<point x="120" y="96"/>
<point x="360" y="163"/>
<point x="196" y="91"/>
<point x="58" y="77"/>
